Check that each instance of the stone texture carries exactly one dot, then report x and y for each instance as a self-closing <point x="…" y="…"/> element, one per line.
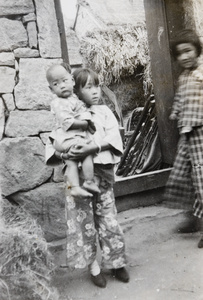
<point x="28" y="123"/>
<point x="7" y="79"/>
<point x="32" y="35"/>
<point x="73" y="44"/>
<point x="2" y="118"/>
<point x="16" y="66"/>
<point x="13" y="7"/>
<point x="58" y="174"/>
<point x="48" y="37"/>
<point x="32" y="91"/>
<point x="12" y="35"/>
<point x="26" y="52"/>
<point x="22" y="165"/>
<point x="47" y="204"/>
<point x="9" y="101"/>
<point x="29" y="18"/>
<point x="7" y="59"/>
<point x="44" y="136"/>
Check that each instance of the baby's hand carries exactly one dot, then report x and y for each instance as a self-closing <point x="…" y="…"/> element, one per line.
<point x="91" y="127"/>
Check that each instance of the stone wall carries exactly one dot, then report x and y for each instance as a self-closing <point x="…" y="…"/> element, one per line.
<point x="29" y="44"/>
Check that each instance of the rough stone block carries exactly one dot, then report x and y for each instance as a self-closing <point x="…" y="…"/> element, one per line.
<point x="28" y="123"/>
<point x="32" y="35"/>
<point x="25" y="52"/>
<point x="2" y="118"/>
<point x="9" y="101"/>
<point x="32" y="91"/>
<point x="29" y="18"/>
<point x="22" y="165"/>
<point x="7" y="59"/>
<point x="12" y="35"/>
<point x="48" y="37"/>
<point x="58" y="174"/>
<point x="73" y="48"/>
<point x="46" y="204"/>
<point x="13" y="7"/>
<point x="7" y="79"/>
<point x="44" y="136"/>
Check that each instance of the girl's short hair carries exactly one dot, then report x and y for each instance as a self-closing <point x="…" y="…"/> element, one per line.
<point x="81" y="76"/>
<point x="186" y="36"/>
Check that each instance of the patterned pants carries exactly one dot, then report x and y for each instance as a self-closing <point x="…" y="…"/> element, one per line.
<point x="185" y="183"/>
<point x="88" y="219"/>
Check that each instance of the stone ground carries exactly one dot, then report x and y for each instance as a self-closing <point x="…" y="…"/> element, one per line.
<point x="163" y="264"/>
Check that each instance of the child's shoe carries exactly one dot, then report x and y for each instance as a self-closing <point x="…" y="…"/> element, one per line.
<point x="77" y="191"/>
<point x="121" y="274"/>
<point x="91" y="186"/>
<point x="99" y="280"/>
<point x="200" y="244"/>
<point x="191" y="224"/>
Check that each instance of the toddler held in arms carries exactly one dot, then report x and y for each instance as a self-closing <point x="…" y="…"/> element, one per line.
<point x="73" y="126"/>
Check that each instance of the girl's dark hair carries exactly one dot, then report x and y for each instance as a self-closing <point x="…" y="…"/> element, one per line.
<point x="186" y="36"/>
<point x="81" y="76"/>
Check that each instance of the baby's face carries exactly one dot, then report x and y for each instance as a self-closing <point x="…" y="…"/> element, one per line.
<point x="61" y="82"/>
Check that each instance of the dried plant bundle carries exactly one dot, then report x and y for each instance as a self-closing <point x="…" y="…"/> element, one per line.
<point x="25" y="262"/>
<point x="116" y="53"/>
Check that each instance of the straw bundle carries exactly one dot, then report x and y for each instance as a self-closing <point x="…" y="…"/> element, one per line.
<point x="117" y="52"/>
<point x="25" y="262"/>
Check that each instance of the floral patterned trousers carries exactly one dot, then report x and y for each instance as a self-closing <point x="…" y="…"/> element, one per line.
<point x="88" y="219"/>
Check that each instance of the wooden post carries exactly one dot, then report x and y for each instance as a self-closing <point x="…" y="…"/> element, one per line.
<point x="64" y="47"/>
<point x="161" y="75"/>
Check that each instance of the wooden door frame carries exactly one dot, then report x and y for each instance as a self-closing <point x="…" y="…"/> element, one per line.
<point x="62" y="32"/>
<point x="162" y="74"/>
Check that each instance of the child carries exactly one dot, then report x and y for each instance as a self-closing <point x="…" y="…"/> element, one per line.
<point x="187" y="109"/>
<point x="83" y="219"/>
<point x="72" y="121"/>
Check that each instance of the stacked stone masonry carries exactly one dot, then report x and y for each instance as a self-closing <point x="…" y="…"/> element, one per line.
<point x="29" y="44"/>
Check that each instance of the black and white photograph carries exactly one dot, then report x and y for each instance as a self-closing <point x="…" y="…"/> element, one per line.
<point x="101" y="150"/>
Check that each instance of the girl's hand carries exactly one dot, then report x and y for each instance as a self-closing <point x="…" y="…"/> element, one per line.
<point x="81" y="150"/>
<point x="173" y="117"/>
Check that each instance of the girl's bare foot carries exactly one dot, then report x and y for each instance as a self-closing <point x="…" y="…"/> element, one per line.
<point x="91" y="186"/>
<point x="77" y="191"/>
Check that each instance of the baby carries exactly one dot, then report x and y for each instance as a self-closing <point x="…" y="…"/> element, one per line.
<point x="73" y="126"/>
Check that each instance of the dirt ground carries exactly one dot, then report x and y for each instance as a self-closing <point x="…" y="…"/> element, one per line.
<point x="163" y="264"/>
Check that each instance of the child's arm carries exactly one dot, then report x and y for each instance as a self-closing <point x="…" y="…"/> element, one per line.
<point x="79" y="124"/>
<point x="176" y="104"/>
<point x="72" y="116"/>
<point x="112" y="133"/>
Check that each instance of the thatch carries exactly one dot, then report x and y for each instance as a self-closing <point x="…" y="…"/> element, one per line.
<point x="117" y="52"/>
<point x="25" y="262"/>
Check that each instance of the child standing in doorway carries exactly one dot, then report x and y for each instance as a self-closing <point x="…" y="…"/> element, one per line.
<point x="187" y="110"/>
<point x="72" y="124"/>
<point x="88" y="219"/>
